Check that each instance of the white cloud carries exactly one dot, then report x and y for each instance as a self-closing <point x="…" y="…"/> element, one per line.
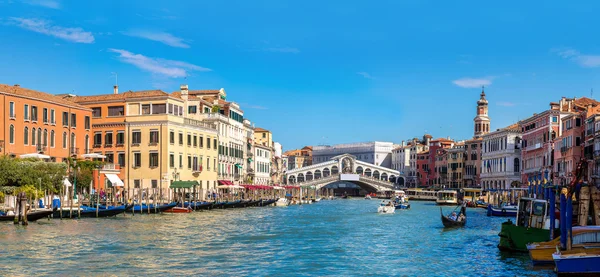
<point x="576" y="56"/>
<point x="169" y="68"/>
<point x="365" y="74"/>
<point x="161" y="37"/>
<point x="45" y="27"/>
<point x="283" y="50"/>
<point x="44" y="3"/>
<point x="473" y="82"/>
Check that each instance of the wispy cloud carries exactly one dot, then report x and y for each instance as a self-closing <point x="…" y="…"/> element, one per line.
<point x="168" y="68"/>
<point x="282" y="50"/>
<point x="45" y="27"/>
<point x="161" y="37"/>
<point x="468" y="82"/>
<point x="365" y="74"/>
<point x="577" y="57"/>
<point x="44" y="3"/>
<point x="506" y="104"/>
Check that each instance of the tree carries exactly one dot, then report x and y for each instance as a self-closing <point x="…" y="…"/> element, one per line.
<point x="215" y="109"/>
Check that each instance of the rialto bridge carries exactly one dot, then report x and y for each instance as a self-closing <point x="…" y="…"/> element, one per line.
<point x="345" y="168"/>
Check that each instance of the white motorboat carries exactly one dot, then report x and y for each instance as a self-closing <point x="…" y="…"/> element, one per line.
<point x="282" y="202"/>
<point x="386" y="208"/>
<point x="318" y="199"/>
<point x="368" y="197"/>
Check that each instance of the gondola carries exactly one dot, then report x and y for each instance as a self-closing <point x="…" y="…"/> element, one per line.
<point x="268" y="202"/>
<point x="452" y="223"/>
<point x="152" y="208"/>
<point x="31" y="216"/>
<point x="86" y="211"/>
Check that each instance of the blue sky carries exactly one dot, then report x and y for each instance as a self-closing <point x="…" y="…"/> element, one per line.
<point x="316" y="72"/>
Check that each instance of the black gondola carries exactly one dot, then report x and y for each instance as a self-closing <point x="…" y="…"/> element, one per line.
<point x="454" y="223"/>
<point x="31" y="216"/>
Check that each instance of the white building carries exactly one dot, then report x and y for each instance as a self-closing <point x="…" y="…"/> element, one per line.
<point x="501" y="158"/>
<point x="262" y="164"/>
<point x="376" y="152"/>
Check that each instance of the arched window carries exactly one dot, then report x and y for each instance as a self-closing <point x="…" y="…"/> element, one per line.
<point x="11" y="134"/>
<point x="26" y="136"/>
<point x="517" y="166"/>
<point x="45" y="137"/>
<point x="33" y="141"/>
<point x="52" y="138"/>
<point x="39" y="136"/>
<point x="64" y="139"/>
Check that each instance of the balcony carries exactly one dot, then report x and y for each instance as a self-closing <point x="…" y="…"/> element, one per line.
<point x="74" y="151"/>
<point x="533" y="147"/>
<point x="589" y="132"/>
<point x="41" y="148"/>
<point x="193" y="122"/>
<point x="563" y="149"/>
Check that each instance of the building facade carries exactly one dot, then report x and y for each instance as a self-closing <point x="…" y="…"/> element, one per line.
<point x="435" y="177"/>
<point x="376" y="152"/>
<point x="262" y="164"/>
<point x="473" y="162"/>
<point x="38" y="122"/>
<point x="422" y="168"/>
<point x="299" y="158"/>
<point x="501" y="159"/>
<point x="456" y="166"/>
<point x="440" y="171"/>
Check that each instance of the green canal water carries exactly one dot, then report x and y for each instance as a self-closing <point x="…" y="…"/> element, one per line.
<point x="329" y="238"/>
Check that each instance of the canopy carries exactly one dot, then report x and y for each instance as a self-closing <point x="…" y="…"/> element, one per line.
<point x="35" y="155"/>
<point x="250" y="160"/>
<point x="229" y="187"/>
<point x="114" y="179"/>
<point x="94" y="156"/>
<point x="238" y="165"/>
<point x="183" y="184"/>
<point x="225" y="182"/>
<point x="66" y="182"/>
<point x="277" y="187"/>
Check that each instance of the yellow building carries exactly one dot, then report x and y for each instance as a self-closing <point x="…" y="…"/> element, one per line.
<point x="162" y="144"/>
<point x="263" y="137"/>
<point x="456" y="166"/>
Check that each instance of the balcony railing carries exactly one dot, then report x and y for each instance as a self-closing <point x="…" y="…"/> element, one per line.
<point x="589" y="132"/>
<point x="74" y="151"/>
<point x="189" y="121"/>
<point x="41" y="148"/>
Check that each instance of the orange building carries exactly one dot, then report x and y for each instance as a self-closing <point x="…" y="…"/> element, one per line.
<point x="38" y="122"/>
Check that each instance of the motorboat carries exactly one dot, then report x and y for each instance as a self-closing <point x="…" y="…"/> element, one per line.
<point x="282" y="202"/>
<point x="532" y="225"/>
<point x="447" y="197"/>
<point x="178" y="210"/>
<point x="368" y="197"/>
<point x="584" y="238"/>
<point x="502" y="210"/>
<point x="386" y="207"/>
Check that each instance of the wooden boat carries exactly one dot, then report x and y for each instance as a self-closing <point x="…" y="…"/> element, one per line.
<point x="88" y="211"/>
<point x="31" y="216"/>
<point x="504" y="210"/>
<point x="447" y="197"/>
<point x="152" y="208"/>
<point x="583" y="237"/>
<point x="532" y="225"/>
<point x="179" y="210"/>
<point x="577" y="264"/>
<point x="448" y="222"/>
<point x="481" y="204"/>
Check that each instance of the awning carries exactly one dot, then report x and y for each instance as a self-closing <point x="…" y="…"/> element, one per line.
<point x="35" y="155"/>
<point x="114" y="179"/>
<point x="250" y="160"/>
<point x="183" y="184"/>
<point x="66" y="182"/>
<point x="94" y="156"/>
<point x="225" y="183"/>
<point x="238" y="165"/>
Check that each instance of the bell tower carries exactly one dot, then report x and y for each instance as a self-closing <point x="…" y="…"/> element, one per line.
<point x="482" y="120"/>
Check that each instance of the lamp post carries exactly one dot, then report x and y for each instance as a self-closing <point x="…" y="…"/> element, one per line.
<point x="74" y="179"/>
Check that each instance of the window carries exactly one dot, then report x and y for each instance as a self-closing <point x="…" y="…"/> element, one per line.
<point x="215" y="142"/>
<point x="65" y="119"/>
<point x="11" y="134"/>
<point x="154" y="184"/>
<point x="110" y="157"/>
<point x="215" y="164"/>
<point x="121" y="159"/>
<point x="192" y="109"/>
<point x="52" y="138"/>
<point x="577" y="122"/>
<point x="201" y="142"/>
<point x="116" y="111"/>
<point x="180" y="138"/>
<point x="195" y="166"/>
<point x="53" y="117"/>
<point x="189" y="140"/>
<point x="136" y="137"/>
<point x="264" y="135"/>
<point x="159" y="109"/>
<point x="196" y="141"/>
<point x="11" y="109"/>
<point x="87" y="122"/>
<point x="73" y="120"/>
<point x="172" y="137"/>
<point x="146" y="109"/>
<point x="206" y="110"/>
<point x="120" y="138"/>
<point x="554" y="119"/>
<point x="153" y="136"/>
<point x="208" y="143"/>
<point x="108" y="138"/>
<point x="97" y="112"/>
<point x="153" y="159"/>
<point x="180" y="161"/>
<point x="45" y="115"/>
<point x="97" y="139"/>
<point x="34" y="113"/>
<point x="137" y="159"/>
<point x="26" y="112"/>
<point x="136" y="184"/>
<point x="65" y="140"/>
<point x="577" y="141"/>
<point x="170" y="110"/>
<point x="33" y="136"/>
<point x="26" y="136"/>
<point x="171" y="160"/>
<point x="189" y="162"/>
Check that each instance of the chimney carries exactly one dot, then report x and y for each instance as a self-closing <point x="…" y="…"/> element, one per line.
<point x="115" y="89"/>
<point x="184" y="92"/>
<point x="402" y="144"/>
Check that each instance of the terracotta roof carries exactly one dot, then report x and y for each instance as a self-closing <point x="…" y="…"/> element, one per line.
<point x="121" y="96"/>
<point x="204" y="91"/>
<point x="25" y="92"/>
<point x="512" y="127"/>
<point x="442" y="140"/>
<point x="260" y="130"/>
<point x="307" y="147"/>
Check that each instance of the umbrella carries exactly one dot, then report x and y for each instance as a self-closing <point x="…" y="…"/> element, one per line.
<point x="35" y="155"/>
<point x="94" y="156"/>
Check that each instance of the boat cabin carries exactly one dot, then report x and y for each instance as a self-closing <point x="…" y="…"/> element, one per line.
<point x="533" y="213"/>
<point x="471" y="194"/>
<point x="420" y="194"/>
<point x="399" y="193"/>
<point x="447" y="197"/>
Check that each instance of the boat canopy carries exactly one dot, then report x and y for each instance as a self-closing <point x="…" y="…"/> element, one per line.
<point x="183" y="184"/>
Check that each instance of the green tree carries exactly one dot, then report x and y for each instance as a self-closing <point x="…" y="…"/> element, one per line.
<point x="215" y="109"/>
